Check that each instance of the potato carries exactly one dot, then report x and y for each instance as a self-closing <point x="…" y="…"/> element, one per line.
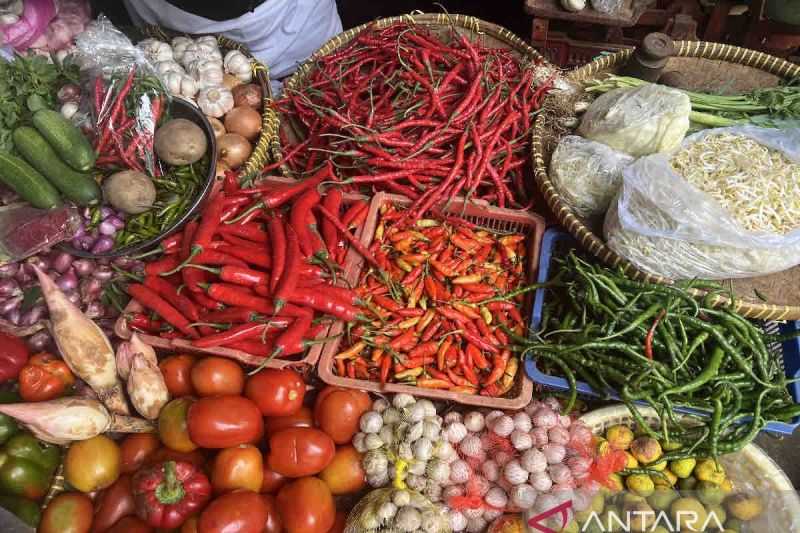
<point x="180" y="142"/>
<point x="129" y="191"/>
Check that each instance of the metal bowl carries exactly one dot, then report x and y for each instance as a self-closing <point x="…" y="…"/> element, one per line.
<point x="180" y="108"/>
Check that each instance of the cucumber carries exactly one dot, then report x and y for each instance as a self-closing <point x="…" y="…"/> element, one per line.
<point x="80" y="188"/>
<point x="27" y="182"/>
<point x="67" y="140"/>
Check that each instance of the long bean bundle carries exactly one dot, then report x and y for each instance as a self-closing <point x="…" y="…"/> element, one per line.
<point x="399" y="109"/>
<point x="656" y="344"/>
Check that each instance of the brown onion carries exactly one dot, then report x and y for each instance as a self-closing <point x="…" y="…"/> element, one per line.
<point x="233" y="150"/>
<point x="245" y="121"/>
<point x="217" y="126"/>
<point x="248" y="95"/>
<point x="229" y="81"/>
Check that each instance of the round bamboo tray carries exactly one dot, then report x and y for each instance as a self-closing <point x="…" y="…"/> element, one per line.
<point x="267" y="147"/>
<point x="490" y="34"/>
<point x="751" y="470"/>
<point x="706" y="67"/>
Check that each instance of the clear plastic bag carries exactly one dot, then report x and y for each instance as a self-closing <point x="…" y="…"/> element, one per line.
<point x="609" y="7"/>
<point x="587" y="174"/>
<point x="25" y="230"/>
<point x="665" y="225"/>
<point x="125" y="98"/>
<point x="641" y="121"/>
<point x="396" y="510"/>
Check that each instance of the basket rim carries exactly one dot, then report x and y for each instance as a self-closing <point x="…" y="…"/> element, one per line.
<point x="594" y="243"/>
<point x="756" y="454"/>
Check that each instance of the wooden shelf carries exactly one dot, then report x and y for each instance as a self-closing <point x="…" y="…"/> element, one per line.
<point x="551" y="9"/>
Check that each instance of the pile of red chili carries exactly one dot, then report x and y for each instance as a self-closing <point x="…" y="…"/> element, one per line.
<point x="126" y="117"/>
<point x="441" y="309"/>
<point x="253" y="279"/>
<point x="402" y="110"/>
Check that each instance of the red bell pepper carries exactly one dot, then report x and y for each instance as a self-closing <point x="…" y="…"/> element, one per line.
<point x="13" y="356"/>
<point x="168" y="493"/>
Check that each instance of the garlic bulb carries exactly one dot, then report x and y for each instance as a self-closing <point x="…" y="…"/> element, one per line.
<point x="386" y="435"/>
<point x="69" y="109"/>
<point x="207" y="40"/>
<point x="433" y="491"/>
<point x="360" y="442"/>
<point x="446" y="452"/>
<point x="573" y="5"/>
<point x="491" y="415"/>
<point x="476" y="525"/>
<point x="541" y="481"/>
<point x="415" y="413"/>
<point x="195" y="51"/>
<point x="215" y="101"/>
<point x="207" y="72"/>
<point x="390" y="416"/>
<point x="455" y="432"/>
<point x="414" y="432"/>
<point x="430" y="430"/>
<point x="491" y="471"/>
<point x="452" y="491"/>
<point x="418" y="468"/>
<point x="520" y="440"/>
<point x="502" y="425"/>
<point x="452" y="417"/>
<point x="180" y="84"/>
<point x="375" y="462"/>
<point x="533" y="461"/>
<point x="380" y="405"/>
<point x="474" y="422"/>
<point x="460" y="471"/>
<point x="439" y="471"/>
<point x="523" y="496"/>
<point x="423" y="449"/>
<point x="496" y="497"/>
<point x="163" y="67"/>
<point x="371" y="422"/>
<point x="408" y="519"/>
<point x="471" y="446"/>
<point x="155" y="50"/>
<point x="401" y="498"/>
<point x="179" y="45"/>
<point x="373" y="442"/>
<point x="522" y="421"/>
<point x="430" y="409"/>
<point x="386" y="511"/>
<point x="402" y="400"/>
<point x="239" y="65"/>
<point x="514" y="473"/>
<point x="378" y="480"/>
<point x="458" y="522"/>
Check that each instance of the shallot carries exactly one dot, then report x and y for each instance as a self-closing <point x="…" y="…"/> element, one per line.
<point x="146" y="386"/>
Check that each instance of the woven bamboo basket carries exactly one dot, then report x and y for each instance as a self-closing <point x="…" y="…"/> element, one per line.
<point x="490" y="35"/>
<point x="706" y="67"/>
<point x="267" y="147"/>
<point x="751" y="470"/>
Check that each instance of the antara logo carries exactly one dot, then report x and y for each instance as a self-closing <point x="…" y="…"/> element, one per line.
<point x="634" y="520"/>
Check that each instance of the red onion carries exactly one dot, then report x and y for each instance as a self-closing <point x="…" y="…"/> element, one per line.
<point x="13" y="316"/>
<point x="106" y="228"/>
<point x="9" y="287"/>
<point x="94" y="310"/>
<point x="74" y="297"/>
<point x="32" y="316"/>
<point x="83" y="267"/>
<point x="123" y="262"/>
<point x="116" y="221"/>
<point x="40" y="262"/>
<point x="9" y="270"/>
<point x="10" y="304"/>
<point x="69" y="92"/>
<point x="39" y="341"/>
<point x="62" y="262"/>
<point x="103" y="244"/>
<point x="68" y="281"/>
<point x="103" y="273"/>
<point x="90" y="289"/>
<point x="106" y="212"/>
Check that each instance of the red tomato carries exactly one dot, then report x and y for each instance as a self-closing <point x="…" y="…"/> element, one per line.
<point x="135" y="450"/>
<point x="113" y="504"/>
<point x="131" y="524"/>
<point x="306" y="506"/>
<point x="214" y="376"/>
<point x="273" y="523"/>
<point x="190" y="526"/>
<point x="272" y="482"/>
<point x="338" y="525"/>
<point x="195" y="457"/>
<point x="224" y="422"/>
<point x="303" y="418"/>
<point x="277" y="392"/>
<point x="241" y="511"/>
<point x="240" y="467"/>
<point x="298" y="452"/>
<point x="338" y="411"/>
<point x="69" y="512"/>
<point x="177" y="370"/>
<point x="344" y="474"/>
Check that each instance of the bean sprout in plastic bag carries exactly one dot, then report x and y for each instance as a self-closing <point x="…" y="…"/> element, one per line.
<point x="665" y="225"/>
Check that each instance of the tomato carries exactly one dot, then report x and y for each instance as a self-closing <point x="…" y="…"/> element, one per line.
<point x="241" y="511"/>
<point x="238" y="468"/>
<point x="190" y="526"/>
<point x="303" y="418"/>
<point x="92" y="464"/>
<point x="306" y="506"/>
<point x="135" y="449"/>
<point x="224" y="422"/>
<point x="344" y="474"/>
<point x="338" y="525"/>
<point x="338" y="411"/>
<point x="173" y="427"/>
<point x="508" y="524"/>
<point x="273" y="524"/>
<point x="277" y="392"/>
<point x="131" y="524"/>
<point x="195" y="457"/>
<point x="70" y="512"/>
<point x="217" y="376"/>
<point x="113" y="504"/>
<point x="273" y="481"/>
<point x="177" y="370"/>
<point x="298" y="452"/>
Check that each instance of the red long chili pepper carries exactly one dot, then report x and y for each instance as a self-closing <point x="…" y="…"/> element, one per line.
<point x="648" y="340"/>
<point x="254" y="256"/>
<point x="171" y="295"/>
<point x="159" y="266"/>
<point x="299" y="217"/>
<point x="241" y="333"/>
<point x="277" y="237"/>
<point x="320" y="301"/>
<point x="273" y="198"/>
<point x="251" y="232"/>
<point x="261" y="349"/>
<point x="290" y="342"/>
<point x="209" y="222"/>
<point x="232" y="315"/>
<point x="355" y="243"/>
<point x="149" y="299"/>
<point x="291" y="271"/>
<point x="330" y="234"/>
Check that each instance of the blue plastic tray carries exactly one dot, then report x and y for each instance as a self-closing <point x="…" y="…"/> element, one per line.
<point x="789" y="351"/>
